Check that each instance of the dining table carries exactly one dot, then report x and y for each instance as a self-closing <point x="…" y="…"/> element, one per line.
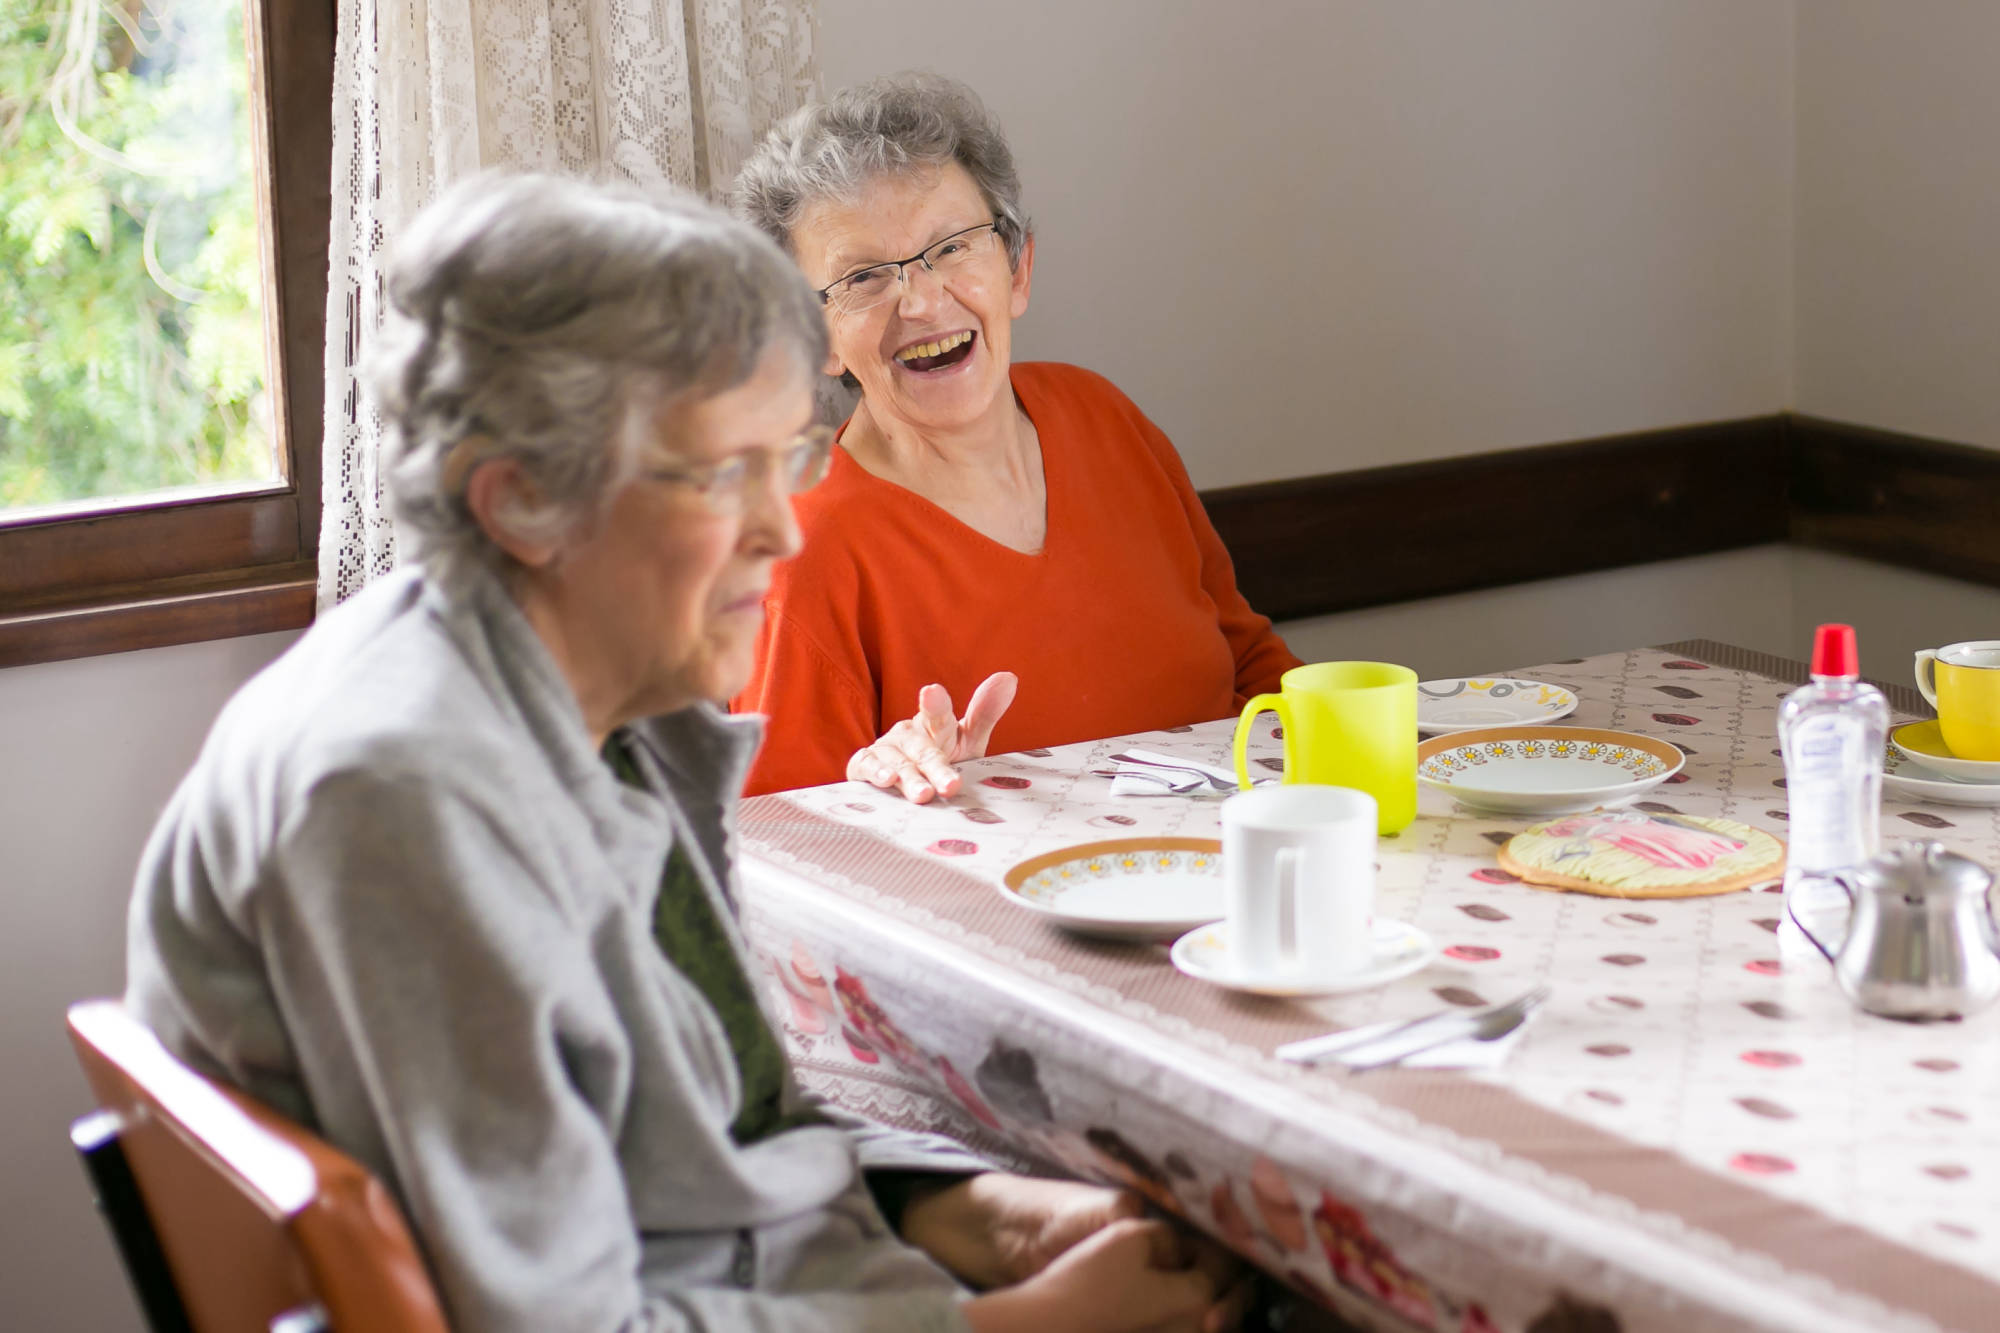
<point x="1697" y="1130"/>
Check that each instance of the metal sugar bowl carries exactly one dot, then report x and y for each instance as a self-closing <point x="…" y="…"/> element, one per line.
<point x="1922" y="942"/>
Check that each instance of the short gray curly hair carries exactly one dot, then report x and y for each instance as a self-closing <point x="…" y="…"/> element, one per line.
<point x="531" y="316"/>
<point x="890" y="126"/>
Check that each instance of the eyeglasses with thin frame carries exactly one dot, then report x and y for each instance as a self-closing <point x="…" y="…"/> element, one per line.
<point x="872" y="286"/>
<point x="725" y="487"/>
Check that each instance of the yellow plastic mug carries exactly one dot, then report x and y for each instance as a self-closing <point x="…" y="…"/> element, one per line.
<point x="1347" y="724"/>
<point x="1966" y="695"/>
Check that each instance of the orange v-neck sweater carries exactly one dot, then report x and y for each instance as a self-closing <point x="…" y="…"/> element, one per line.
<point x="1128" y="619"/>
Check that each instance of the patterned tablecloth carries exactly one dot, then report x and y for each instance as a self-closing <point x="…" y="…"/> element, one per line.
<point x="1691" y="1134"/>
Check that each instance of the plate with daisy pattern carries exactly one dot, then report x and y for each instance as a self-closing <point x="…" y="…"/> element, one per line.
<point x="1126" y="888"/>
<point x="1545" y="770"/>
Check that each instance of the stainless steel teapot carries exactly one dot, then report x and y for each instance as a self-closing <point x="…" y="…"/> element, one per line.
<point x="1922" y="942"/>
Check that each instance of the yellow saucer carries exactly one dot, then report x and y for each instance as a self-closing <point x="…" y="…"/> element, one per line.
<point x="1922" y="743"/>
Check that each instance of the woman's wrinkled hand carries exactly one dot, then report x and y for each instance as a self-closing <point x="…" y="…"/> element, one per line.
<point x="999" y="1230"/>
<point x="1134" y="1274"/>
<point x="918" y="754"/>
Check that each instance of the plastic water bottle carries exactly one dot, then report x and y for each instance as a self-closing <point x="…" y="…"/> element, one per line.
<point x="1831" y="733"/>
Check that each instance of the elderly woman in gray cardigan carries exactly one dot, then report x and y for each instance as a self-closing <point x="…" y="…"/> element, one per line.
<point x="451" y="880"/>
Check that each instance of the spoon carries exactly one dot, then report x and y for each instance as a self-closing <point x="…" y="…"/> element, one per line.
<point x="1176" y="785"/>
<point x="1212" y="776"/>
<point x="1421" y="1034"/>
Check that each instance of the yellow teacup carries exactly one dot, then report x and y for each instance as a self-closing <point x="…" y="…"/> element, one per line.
<point x="1347" y="724"/>
<point x="1966" y="694"/>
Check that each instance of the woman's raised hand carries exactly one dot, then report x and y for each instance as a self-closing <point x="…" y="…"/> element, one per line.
<point x="918" y="753"/>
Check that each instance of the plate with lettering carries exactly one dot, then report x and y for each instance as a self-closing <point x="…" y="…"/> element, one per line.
<point x="1125" y="888"/>
<point x="1445" y="706"/>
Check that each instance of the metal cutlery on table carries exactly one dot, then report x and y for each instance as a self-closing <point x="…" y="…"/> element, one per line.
<point x="1371" y="1050"/>
<point x="1196" y="773"/>
<point x="1179" y="786"/>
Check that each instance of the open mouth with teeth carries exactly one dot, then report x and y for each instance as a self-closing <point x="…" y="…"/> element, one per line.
<point x="946" y="351"/>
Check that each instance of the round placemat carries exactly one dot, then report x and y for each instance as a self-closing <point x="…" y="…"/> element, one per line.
<point x="1631" y="854"/>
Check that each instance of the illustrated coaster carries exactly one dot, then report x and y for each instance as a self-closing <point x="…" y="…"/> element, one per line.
<point x="1629" y="854"/>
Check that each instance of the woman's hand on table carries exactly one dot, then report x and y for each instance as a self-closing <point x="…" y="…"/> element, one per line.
<point x="1085" y="1250"/>
<point x="917" y="754"/>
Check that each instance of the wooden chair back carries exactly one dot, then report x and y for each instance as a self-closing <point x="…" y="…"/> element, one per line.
<point x="230" y="1218"/>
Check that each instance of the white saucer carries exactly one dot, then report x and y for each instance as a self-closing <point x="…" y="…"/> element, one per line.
<point x="1462" y="704"/>
<point x="1910" y="780"/>
<point x="1399" y="950"/>
<point x="1922" y="743"/>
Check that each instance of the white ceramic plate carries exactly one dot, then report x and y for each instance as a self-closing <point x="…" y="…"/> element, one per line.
<point x="1923" y="745"/>
<point x="1400" y="949"/>
<point x="1545" y="770"/>
<point x="1911" y="781"/>
<point x="1128" y="888"/>
<point x="1461" y="705"/>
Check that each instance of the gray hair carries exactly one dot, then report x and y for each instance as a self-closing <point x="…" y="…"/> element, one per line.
<point x="891" y="126"/>
<point x="532" y="317"/>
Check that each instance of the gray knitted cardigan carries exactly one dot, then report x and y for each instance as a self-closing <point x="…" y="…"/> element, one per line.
<point x="401" y="899"/>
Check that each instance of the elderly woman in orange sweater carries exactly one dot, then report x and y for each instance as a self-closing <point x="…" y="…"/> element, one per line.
<point x="1019" y="536"/>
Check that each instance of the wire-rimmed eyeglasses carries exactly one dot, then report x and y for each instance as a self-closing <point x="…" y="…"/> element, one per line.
<point x="725" y="487"/>
<point x="869" y="287"/>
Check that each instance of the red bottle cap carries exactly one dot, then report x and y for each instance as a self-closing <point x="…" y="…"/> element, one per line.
<point x="1833" y="652"/>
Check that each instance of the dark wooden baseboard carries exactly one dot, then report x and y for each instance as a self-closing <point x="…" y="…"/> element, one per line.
<point x="1348" y="540"/>
<point x="1899" y="499"/>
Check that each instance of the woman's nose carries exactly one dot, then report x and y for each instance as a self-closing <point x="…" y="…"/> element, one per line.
<point x="923" y="288"/>
<point x="769" y="525"/>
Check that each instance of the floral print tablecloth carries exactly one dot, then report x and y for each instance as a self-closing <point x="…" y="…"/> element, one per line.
<point x="1696" y="1132"/>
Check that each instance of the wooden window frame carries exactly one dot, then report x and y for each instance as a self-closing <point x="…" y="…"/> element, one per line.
<point x="144" y="572"/>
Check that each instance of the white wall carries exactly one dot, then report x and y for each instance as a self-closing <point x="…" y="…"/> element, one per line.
<point x="1898" y="249"/>
<point x="1312" y="237"/>
<point x="1897" y="276"/>
<point x="89" y="752"/>
<point x="1894" y="611"/>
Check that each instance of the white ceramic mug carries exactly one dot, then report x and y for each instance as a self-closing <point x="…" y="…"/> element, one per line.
<point x="1299" y="863"/>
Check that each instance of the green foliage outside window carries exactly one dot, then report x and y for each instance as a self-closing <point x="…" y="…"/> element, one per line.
<point x="131" y="330"/>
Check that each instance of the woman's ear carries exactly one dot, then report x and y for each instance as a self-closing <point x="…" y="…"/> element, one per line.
<point x="1024" y="276"/>
<point x="497" y="489"/>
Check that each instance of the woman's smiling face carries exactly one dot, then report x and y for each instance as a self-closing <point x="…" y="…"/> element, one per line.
<point x="935" y="355"/>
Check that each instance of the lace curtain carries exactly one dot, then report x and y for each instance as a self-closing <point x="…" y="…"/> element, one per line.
<point x="428" y="91"/>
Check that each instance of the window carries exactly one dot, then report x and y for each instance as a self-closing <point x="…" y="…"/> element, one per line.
<point x="164" y="169"/>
